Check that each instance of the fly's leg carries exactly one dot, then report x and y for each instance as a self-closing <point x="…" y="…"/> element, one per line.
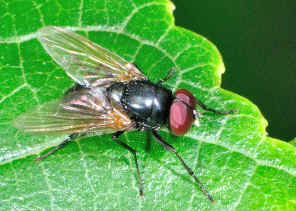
<point x="61" y="145"/>
<point x="167" y="77"/>
<point x="188" y="169"/>
<point x="213" y="110"/>
<point x="201" y="104"/>
<point x="115" y="138"/>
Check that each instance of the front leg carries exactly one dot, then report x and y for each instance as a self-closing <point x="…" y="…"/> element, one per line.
<point x="205" y="107"/>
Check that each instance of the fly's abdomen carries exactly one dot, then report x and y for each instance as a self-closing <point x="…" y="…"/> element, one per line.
<point x="115" y="92"/>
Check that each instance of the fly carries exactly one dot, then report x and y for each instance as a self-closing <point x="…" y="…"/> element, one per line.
<point x="111" y="96"/>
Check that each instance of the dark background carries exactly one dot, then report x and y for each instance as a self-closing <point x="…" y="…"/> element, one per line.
<point x="257" y="40"/>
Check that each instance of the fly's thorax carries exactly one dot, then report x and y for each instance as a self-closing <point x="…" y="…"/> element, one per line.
<point x="147" y="103"/>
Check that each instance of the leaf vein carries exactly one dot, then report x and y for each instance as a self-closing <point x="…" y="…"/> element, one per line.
<point x="13" y="92"/>
<point x="50" y="189"/>
<point x="266" y="163"/>
<point x="194" y="166"/>
<point x="80" y="13"/>
<point x="244" y="189"/>
<point x="137" y="9"/>
<point x="86" y="175"/>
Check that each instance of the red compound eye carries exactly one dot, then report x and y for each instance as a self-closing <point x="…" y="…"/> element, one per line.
<point x="181" y="116"/>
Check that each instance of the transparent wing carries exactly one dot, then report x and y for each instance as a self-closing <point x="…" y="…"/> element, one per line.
<point x="80" y="111"/>
<point x="86" y="62"/>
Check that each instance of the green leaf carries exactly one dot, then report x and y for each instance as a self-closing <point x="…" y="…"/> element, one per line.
<point x="293" y="142"/>
<point x="240" y="166"/>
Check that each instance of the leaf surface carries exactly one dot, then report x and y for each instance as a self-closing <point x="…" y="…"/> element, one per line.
<point x="240" y="166"/>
